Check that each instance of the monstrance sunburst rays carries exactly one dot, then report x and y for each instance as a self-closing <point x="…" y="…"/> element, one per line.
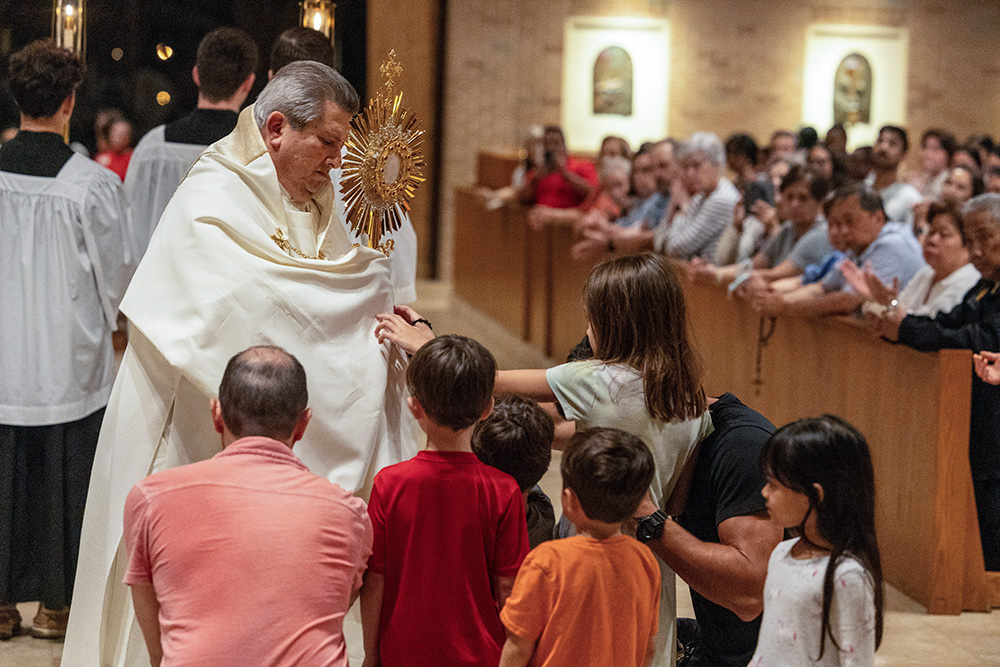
<point x="382" y="168"/>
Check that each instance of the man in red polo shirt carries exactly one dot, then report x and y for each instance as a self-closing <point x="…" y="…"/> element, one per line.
<point x="247" y="558"/>
<point x="560" y="181"/>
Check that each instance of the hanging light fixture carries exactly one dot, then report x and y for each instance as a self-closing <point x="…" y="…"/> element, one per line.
<point x="69" y="32"/>
<point x="318" y="15"/>
<point x="68" y="25"/>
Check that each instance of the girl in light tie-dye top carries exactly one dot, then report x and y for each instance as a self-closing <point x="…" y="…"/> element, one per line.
<point x="823" y="595"/>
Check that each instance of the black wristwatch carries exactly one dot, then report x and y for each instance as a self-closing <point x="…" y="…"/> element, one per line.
<point x="650" y="527"/>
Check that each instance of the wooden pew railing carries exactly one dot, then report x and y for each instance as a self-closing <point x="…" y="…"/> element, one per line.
<point x="913" y="407"/>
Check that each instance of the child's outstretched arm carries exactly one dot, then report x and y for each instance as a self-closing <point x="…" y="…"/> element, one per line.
<point x="371" y="616"/>
<point x="516" y="651"/>
<point x="527" y="383"/>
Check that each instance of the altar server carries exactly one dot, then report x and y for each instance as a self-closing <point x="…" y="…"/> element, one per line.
<point x="65" y="260"/>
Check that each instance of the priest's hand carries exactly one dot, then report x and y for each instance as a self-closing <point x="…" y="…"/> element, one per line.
<point x="404" y="327"/>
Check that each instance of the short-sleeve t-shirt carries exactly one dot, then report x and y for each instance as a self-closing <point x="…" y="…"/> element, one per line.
<point x="895" y="253"/>
<point x="595" y="393"/>
<point x="586" y="597"/>
<point x="555" y="191"/>
<point x="802" y="251"/>
<point x="726" y="483"/>
<point x="446" y="527"/>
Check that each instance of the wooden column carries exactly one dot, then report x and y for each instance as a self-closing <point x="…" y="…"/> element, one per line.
<point x="413" y="29"/>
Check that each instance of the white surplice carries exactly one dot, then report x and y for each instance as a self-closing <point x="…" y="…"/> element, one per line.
<point x="212" y="283"/>
<point x="65" y="262"/>
<point x="155" y="169"/>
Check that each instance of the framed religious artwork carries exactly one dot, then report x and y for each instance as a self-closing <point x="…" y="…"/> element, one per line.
<point x="854" y="75"/>
<point x="616" y="76"/>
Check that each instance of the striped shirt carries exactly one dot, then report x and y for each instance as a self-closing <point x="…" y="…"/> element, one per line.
<point x="695" y="230"/>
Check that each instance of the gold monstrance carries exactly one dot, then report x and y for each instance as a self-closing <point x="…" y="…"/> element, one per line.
<point x="382" y="168"/>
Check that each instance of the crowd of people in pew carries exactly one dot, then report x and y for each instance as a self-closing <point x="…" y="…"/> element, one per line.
<point x="802" y="228"/>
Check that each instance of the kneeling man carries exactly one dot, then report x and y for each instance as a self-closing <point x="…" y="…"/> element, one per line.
<point x="247" y="558"/>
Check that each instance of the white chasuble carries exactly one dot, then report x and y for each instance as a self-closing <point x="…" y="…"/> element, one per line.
<point x="214" y="282"/>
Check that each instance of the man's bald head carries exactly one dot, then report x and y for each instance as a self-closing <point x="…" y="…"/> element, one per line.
<point x="263" y="393"/>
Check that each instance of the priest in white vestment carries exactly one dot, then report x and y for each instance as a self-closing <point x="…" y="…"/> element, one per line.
<point x="251" y="250"/>
<point x="224" y="73"/>
<point x="300" y="43"/>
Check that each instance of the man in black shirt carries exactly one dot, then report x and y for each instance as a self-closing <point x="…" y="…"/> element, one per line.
<point x="721" y="542"/>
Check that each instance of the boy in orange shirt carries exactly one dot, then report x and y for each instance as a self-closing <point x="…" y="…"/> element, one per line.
<point x="590" y="599"/>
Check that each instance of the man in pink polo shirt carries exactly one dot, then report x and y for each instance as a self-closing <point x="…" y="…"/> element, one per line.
<point x="247" y="558"/>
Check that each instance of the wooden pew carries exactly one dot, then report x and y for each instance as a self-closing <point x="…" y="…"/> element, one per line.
<point x="913" y="407"/>
<point x="521" y="277"/>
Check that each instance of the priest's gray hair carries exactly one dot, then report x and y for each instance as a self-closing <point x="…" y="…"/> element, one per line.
<point x="988" y="203"/>
<point x="705" y="143"/>
<point x="300" y="90"/>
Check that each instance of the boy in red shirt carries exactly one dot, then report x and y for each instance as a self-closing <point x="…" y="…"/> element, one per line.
<point x="450" y="531"/>
<point x="594" y="598"/>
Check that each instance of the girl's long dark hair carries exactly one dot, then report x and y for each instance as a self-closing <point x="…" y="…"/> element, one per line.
<point x="636" y="310"/>
<point x="830" y="452"/>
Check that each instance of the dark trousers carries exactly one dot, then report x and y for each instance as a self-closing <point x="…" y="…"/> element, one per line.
<point x="44" y="475"/>
<point x="988" y="509"/>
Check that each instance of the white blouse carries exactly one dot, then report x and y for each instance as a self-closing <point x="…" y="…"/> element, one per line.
<point x="921" y="297"/>
<point x="66" y="257"/>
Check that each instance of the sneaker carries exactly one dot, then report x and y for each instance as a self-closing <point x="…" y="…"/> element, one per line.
<point x="10" y="621"/>
<point x="50" y="623"/>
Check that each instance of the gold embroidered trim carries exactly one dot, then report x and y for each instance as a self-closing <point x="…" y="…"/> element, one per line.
<point x="282" y="242"/>
<point x="987" y="290"/>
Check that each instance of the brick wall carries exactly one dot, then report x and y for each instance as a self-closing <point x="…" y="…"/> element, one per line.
<point x="735" y="65"/>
